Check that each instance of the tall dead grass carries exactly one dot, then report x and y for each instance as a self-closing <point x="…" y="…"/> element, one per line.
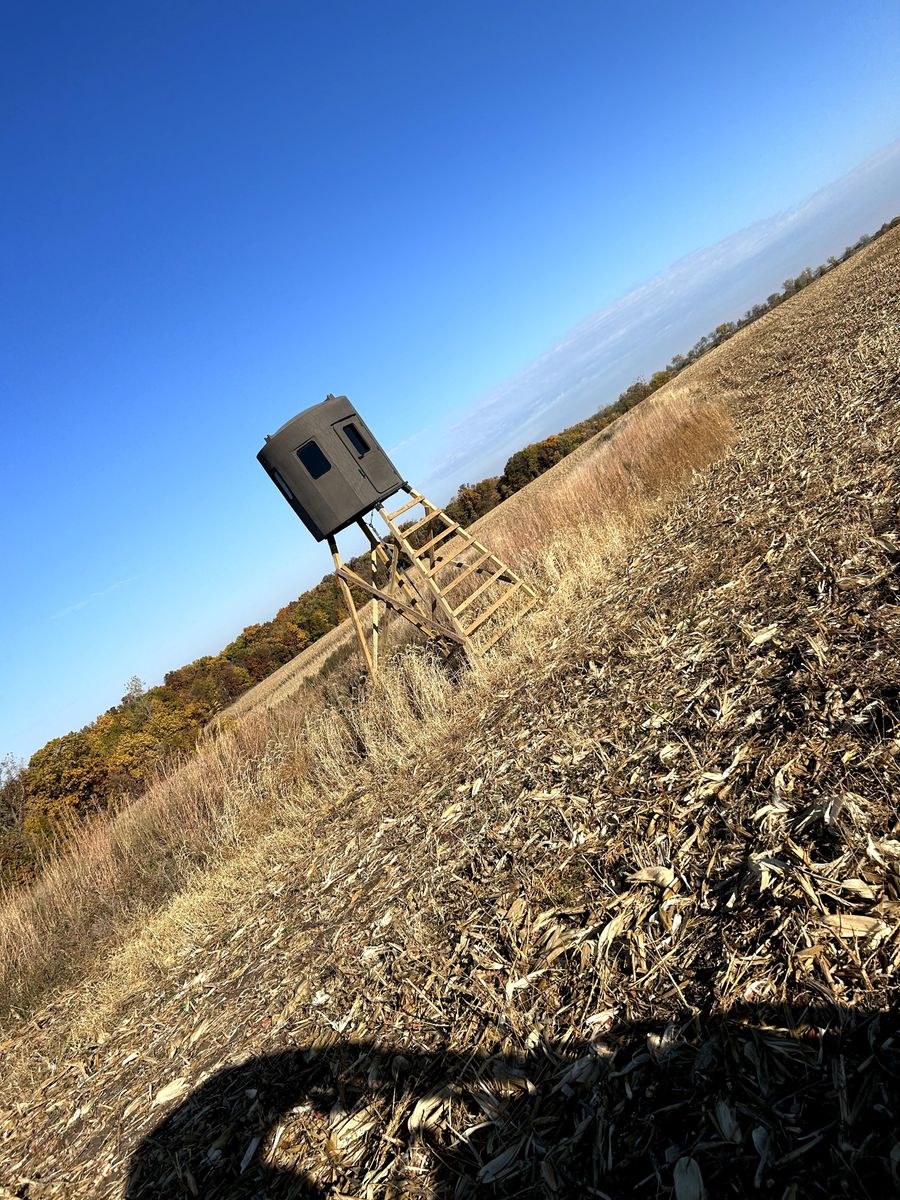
<point x="617" y="477"/>
<point x="274" y="765"/>
<point x="119" y="867"/>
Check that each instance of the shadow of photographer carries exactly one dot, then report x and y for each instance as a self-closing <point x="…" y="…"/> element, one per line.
<point x="789" y="1105"/>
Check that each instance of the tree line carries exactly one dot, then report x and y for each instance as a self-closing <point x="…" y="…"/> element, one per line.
<point x="116" y="756"/>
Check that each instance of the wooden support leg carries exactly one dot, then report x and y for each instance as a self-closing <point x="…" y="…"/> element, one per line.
<point x="349" y="601"/>
<point x="430" y="573"/>
<point x="376" y="611"/>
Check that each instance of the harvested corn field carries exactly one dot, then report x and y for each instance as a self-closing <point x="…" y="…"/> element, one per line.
<point x="616" y="915"/>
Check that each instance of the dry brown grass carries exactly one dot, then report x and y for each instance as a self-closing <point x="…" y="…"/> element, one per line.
<point x="120" y="868"/>
<point x="617" y="476"/>
<point x="622" y="897"/>
<point x="206" y="809"/>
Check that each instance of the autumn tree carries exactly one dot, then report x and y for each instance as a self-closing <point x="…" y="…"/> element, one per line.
<point x="473" y="500"/>
<point x="63" y="779"/>
<point x="12" y="793"/>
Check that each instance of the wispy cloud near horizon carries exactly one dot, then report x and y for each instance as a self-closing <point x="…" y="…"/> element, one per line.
<point x="82" y="604"/>
<point x="640" y="332"/>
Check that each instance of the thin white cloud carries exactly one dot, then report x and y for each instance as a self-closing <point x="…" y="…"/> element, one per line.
<point x="85" y="601"/>
<point x="639" y="332"/>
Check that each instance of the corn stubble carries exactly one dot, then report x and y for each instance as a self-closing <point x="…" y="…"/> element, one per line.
<point x="615" y="914"/>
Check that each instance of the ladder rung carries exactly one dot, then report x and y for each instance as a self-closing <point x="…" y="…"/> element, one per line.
<point x="445" y="533"/>
<point x="405" y="508"/>
<point x="463" y="574"/>
<point x="440" y="561"/>
<point x="508" y="626"/>
<point x="482" y="587"/>
<point x="435" y="512"/>
<point x="492" y="608"/>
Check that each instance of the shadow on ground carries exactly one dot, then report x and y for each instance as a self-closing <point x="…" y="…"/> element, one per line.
<point x="763" y="1102"/>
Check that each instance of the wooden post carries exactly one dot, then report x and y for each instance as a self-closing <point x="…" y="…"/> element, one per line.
<point x="376" y="612"/>
<point x="348" y="600"/>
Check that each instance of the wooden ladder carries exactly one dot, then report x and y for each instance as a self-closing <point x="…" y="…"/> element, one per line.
<point x="428" y="560"/>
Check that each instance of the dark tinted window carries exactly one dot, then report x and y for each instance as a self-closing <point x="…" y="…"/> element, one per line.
<point x="313" y="459"/>
<point x="284" y="487"/>
<point x="356" y="440"/>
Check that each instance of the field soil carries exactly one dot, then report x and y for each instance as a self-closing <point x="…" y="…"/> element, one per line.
<point x="616" y="915"/>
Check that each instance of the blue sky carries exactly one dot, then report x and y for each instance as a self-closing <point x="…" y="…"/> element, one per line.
<point x="213" y="214"/>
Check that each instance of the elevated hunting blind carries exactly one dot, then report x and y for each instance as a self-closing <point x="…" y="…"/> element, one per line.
<point x="333" y="473"/>
<point x="329" y="466"/>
